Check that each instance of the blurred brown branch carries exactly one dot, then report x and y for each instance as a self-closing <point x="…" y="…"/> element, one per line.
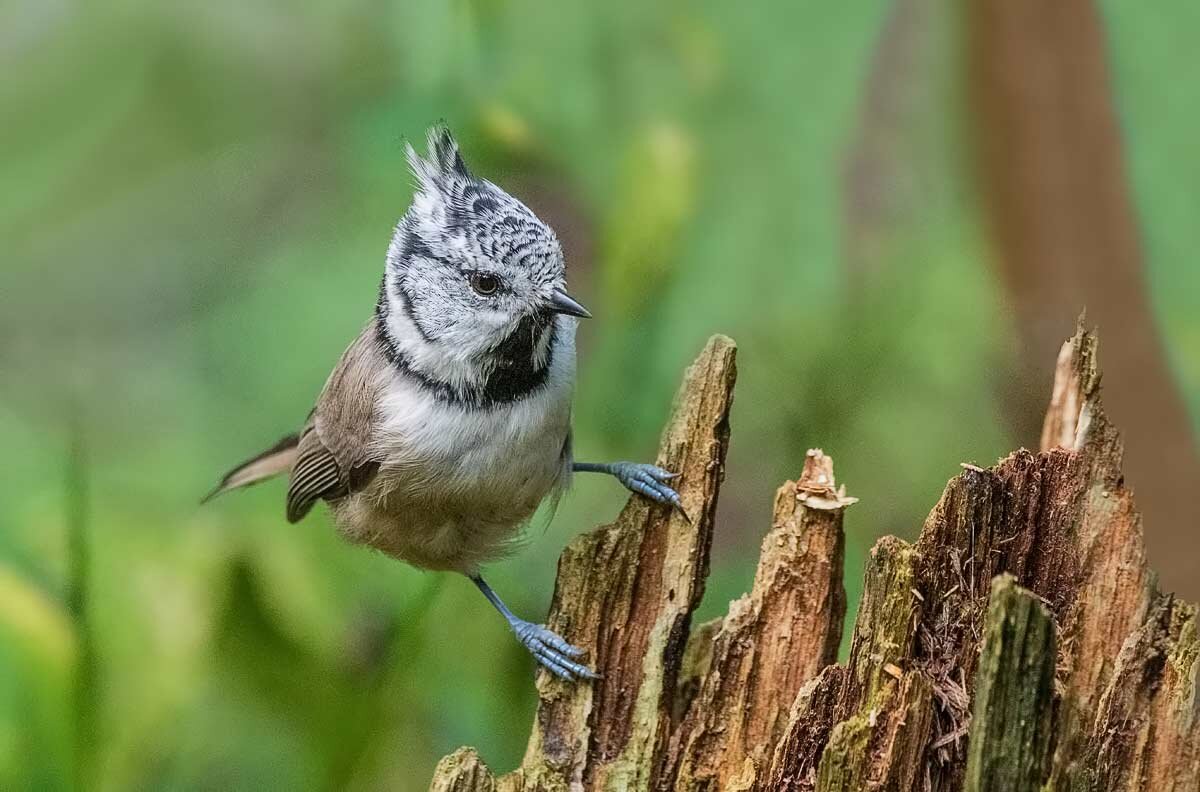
<point x="1046" y="158"/>
<point x="1057" y="199"/>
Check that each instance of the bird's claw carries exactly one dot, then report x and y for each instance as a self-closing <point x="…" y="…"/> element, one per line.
<point x="552" y="652"/>
<point x="651" y="481"/>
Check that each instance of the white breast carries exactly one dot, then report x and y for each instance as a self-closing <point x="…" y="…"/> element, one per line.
<point x="459" y="482"/>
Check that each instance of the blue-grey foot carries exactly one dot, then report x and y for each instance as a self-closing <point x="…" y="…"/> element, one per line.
<point x="552" y="651"/>
<point x="546" y="646"/>
<point x="639" y="477"/>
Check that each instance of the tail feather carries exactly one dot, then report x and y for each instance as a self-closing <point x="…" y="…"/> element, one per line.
<point x="277" y="459"/>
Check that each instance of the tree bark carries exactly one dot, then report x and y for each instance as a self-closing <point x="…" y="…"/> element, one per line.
<point x="1019" y="644"/>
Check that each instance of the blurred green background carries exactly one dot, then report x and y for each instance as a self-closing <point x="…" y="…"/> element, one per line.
<point x="196" y="200"/>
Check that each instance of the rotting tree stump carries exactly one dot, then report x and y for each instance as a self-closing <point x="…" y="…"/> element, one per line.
<point x="1020" y="644"/>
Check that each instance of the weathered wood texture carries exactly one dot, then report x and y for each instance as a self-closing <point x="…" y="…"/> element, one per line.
<point x="1019" y="644"/>
<point x="462" y="771"/>
<point x="1010" y="722"/>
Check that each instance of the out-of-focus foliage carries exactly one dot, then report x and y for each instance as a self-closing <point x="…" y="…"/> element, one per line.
<point x="195" y="202"/>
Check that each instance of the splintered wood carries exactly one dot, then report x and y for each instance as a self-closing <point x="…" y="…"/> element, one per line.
<point x="1019" y="644"/>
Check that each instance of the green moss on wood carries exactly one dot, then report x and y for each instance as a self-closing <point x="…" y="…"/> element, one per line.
<point x="1014" y="694"/>
<point x="844" y="764"/>
<point x="462" y="771"/>
<point x="884" y="629"/>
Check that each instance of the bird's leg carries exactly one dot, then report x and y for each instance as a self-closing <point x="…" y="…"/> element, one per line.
<point x="547" y="648"/>
<point x="648" y="480"/>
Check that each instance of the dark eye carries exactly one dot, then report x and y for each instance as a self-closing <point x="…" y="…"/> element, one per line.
<point x="484" y="284"/>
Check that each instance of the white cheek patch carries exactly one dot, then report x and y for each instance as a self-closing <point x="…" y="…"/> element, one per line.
<point x="493" y="318"/>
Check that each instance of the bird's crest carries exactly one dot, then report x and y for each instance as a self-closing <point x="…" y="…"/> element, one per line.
<point x="442" y="166"/>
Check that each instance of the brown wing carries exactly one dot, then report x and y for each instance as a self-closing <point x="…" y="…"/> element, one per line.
<point x="334" y="457"/>
<point x="316" y="475"/>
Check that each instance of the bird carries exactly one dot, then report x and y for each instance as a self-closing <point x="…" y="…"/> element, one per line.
<point x="447" y="421"/>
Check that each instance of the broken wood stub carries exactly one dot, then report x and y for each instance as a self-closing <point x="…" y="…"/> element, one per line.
<point x="772" y="641"/>
<point x="1019" y="644"/>
<point x="1009" y="749"/>
<point x="865" y="725"/>
<point x="462" y="771"/>
<point x="626" y="593"/>
<point x="1062" y="524"/>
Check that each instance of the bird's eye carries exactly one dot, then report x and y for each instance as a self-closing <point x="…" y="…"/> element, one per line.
<point x="484" y="284"/>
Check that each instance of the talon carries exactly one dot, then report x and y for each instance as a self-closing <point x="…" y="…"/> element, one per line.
<point x="668" y="495"/>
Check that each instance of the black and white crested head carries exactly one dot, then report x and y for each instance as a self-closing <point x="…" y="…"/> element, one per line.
<point x="474" y="296"/>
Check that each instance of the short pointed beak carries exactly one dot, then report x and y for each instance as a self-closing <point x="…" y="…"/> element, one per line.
<point x="564" y="303"/>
